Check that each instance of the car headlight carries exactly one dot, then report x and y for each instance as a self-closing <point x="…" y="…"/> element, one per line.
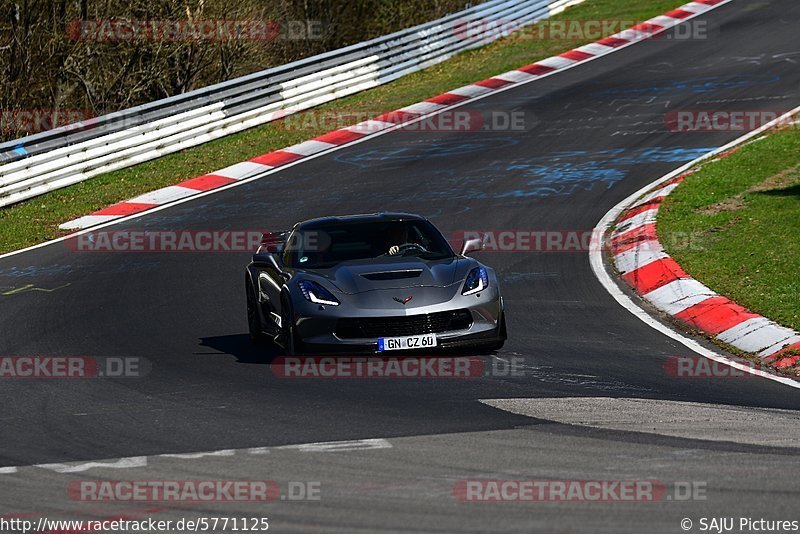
<point x="313" y="292"/>
<point x="477" y="280"/>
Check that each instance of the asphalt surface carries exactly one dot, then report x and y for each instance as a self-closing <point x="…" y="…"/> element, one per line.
<point x="594" y="134"/>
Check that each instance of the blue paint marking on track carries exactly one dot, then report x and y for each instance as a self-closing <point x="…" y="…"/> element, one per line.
<point x="561" y="177"/>
<point x="62" y="269"/>
<point x="420" y="150"/>
<point x="566" y="178"/>
<point x="711" y="84"/>
<point x="558" y="174"/>
<point x="565" y="173"/>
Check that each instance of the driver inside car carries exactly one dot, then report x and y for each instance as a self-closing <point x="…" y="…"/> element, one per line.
<point x="397" y="238"/>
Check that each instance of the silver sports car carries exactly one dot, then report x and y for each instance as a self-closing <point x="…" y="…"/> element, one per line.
<point x="371" y="283"/>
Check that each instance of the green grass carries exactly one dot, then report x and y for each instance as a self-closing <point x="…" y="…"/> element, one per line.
<point x="37" y="220"/>
<point x="742" y="214"/>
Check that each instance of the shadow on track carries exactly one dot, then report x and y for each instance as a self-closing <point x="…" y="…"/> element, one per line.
<point x="243" y="348"/>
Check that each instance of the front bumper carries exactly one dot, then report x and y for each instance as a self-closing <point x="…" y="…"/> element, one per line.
<point x="476" y="320"/>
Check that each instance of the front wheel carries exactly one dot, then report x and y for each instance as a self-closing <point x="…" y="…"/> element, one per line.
<point x="253" y="319"/>
<point x="289" y="339"/>
<point x="502" y="334"/>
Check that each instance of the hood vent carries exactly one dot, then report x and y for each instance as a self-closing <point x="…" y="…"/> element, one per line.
<point x="393" y="275"/>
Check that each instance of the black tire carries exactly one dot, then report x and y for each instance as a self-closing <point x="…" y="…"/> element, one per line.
<point x="253" y="319"/>
<point x="291" y="344"/>
<point x="502" y="334"/>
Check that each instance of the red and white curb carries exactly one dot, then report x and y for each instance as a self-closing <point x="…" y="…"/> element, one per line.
<point x="393" y="120"/>
<point x="653" y="274"/>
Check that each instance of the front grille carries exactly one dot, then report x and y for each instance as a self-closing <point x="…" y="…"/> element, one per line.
<point x="409" y="325"/>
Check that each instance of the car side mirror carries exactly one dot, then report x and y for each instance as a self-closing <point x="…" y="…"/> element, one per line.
<point x="471" y="245"/>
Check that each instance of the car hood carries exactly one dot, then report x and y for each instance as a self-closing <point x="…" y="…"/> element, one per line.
<point x="390" y="273"/>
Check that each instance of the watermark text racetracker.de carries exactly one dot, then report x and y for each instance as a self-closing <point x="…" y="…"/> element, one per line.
<point x="80" y="367"/>
<point x="450" y="120"/>
<point x="39" y="120"/>
<point x="403" y="367"/>
<point x="475" y="29"/>
<point x="702" y="367"/>
<point x="173" y="30"/>
<point x="607" y="491"/>
<point x="554" y="240"/>
<point x="726" y="120"/>
<point x="193" y="491"/>
<point x="168" y="241"/>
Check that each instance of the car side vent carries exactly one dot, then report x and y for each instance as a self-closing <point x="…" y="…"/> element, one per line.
<point x="393" y="275"/>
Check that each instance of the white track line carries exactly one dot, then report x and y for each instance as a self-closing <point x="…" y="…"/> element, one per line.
<point x="142" y="461"/>
<point x="602" y="274"/>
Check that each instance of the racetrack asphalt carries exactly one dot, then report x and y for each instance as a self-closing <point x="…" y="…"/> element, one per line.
<point x="594" y="134"/>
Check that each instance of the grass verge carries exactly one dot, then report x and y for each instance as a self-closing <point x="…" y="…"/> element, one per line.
<point x="37" y="219"/>
<point x="739" y="222"/>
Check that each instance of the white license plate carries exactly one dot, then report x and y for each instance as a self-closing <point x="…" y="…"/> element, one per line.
<point x="406" y="342"/>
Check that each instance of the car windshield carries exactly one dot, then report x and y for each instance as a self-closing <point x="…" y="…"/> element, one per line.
<point x="328" y="244"/>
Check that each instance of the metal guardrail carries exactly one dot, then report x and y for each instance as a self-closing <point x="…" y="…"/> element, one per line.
<point x="64" y="156"/>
